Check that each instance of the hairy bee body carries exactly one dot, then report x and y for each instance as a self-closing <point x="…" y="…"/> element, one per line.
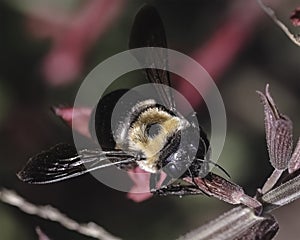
<point x="162" y="136"/>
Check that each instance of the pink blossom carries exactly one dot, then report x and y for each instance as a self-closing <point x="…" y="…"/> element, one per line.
<point x="140" y="190"/>
<point x="78" y="118"/>
<point x="295" y="17"/>
<point x="73" y="36"/>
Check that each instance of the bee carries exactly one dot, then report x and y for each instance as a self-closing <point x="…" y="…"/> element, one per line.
<point x="149" y="134"/>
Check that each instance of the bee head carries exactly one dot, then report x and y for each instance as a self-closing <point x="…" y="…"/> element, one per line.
<point x="189" y="158"/>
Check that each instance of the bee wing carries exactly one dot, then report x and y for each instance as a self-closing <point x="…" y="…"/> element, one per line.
<point x="63" y="161"/>
<point x="148" y="31"/>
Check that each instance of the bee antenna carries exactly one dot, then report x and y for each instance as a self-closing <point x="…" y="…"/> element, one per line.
<point x="203" y="142"/>
<point x="216" y="165"/>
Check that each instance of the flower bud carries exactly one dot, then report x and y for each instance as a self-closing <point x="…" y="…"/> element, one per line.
<point x="278" y="129"/>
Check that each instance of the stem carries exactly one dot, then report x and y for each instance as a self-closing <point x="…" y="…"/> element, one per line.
<point x="230" y="225"/>
<point x="47" y="212"/>
<point x="294" y="38"/>
<point x="282" y="195"/>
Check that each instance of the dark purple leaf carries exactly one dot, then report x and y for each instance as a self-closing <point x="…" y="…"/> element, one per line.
<point x="278" y="132"/>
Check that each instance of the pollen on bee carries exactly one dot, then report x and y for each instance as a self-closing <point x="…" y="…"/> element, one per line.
<point x="151" y="146"/>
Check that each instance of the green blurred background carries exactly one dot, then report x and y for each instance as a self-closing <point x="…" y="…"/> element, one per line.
<point x="27" y="126"/>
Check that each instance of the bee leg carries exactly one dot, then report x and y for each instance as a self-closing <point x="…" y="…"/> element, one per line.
<point x="194" y="182"/>
<point x="154" y="178"/>
<point x="177" y="190"/>
<point x="166" y="181"/>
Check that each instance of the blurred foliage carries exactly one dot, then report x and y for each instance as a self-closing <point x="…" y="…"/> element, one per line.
<point x="27" y="126"/>
<point x="30" y="5"/>
<point x="10" y="228"/>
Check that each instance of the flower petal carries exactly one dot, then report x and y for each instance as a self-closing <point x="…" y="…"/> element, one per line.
<point x="295" y="17"/>
<point x="77" y="118"/>
<point x="140" y="189"/>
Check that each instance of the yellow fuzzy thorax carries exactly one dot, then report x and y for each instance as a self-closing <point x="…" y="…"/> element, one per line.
<point x="151" y="146"/>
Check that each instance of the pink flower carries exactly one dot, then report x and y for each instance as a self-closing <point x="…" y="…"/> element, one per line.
<point x="78" y="118"/>
<point x="72" y="37"/>
<point x="295" y="17"/>
<point x="140" y="189"/>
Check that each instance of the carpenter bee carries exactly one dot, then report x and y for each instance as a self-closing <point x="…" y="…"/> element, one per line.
<point x="151" y="135"/>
